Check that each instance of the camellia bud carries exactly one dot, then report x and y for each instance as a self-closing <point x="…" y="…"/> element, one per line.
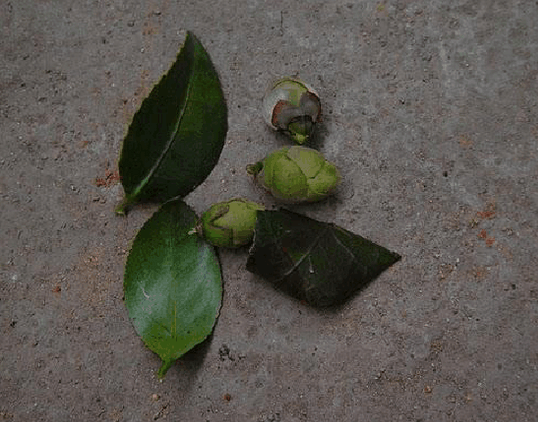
<point x="229" y="224"/>
<point x="293" y="107"/>
<point x="296" y="174"/>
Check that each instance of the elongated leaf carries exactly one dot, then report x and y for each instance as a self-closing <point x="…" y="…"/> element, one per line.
<point x="177" y="135"/>
<point x="172" y="284"/>
<point x="314" y="261"/>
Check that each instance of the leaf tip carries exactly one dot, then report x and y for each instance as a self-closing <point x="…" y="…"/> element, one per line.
<point x="393" y="257"/>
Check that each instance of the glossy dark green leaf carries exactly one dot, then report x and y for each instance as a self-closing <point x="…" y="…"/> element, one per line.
<point x="314" y="261"/>
<point x="177" y="135"/>
<point x="172" y="284"/>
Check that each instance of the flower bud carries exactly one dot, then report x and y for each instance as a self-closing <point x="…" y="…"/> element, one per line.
<point x="293" y="107"/>
<point x="296" y="174"/>
<point x="229" y="224"/>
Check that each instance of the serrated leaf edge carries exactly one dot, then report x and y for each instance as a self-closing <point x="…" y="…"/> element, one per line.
<point x="130" y="198"/>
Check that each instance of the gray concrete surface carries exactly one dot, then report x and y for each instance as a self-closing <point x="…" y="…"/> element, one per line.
<point x="430" y="111"/>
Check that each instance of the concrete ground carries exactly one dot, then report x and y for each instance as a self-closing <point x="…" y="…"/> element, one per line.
<point x="430" y="112"/>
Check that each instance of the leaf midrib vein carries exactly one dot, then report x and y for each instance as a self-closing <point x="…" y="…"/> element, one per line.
<point x="312" y="246"/>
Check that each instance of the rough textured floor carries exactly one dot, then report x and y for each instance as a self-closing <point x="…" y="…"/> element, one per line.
<point x="430" y="112"/>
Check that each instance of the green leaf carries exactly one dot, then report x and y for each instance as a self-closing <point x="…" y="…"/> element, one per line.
<point x="177" y="135"/>
<point x="314" y="261"/>
<point x="172" y="284"/>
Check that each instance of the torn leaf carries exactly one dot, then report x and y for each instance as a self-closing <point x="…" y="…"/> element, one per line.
<point x="314" y="261"/>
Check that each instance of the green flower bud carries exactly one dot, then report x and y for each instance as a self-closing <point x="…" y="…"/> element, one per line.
<point x="229" y="224"/>
<point x="293" y="107"/>
<point x="296" y="174"/>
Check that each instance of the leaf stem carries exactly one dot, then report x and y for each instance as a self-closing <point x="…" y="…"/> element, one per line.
<point x="164" y="368"/>
<point x="124" y="206"/>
